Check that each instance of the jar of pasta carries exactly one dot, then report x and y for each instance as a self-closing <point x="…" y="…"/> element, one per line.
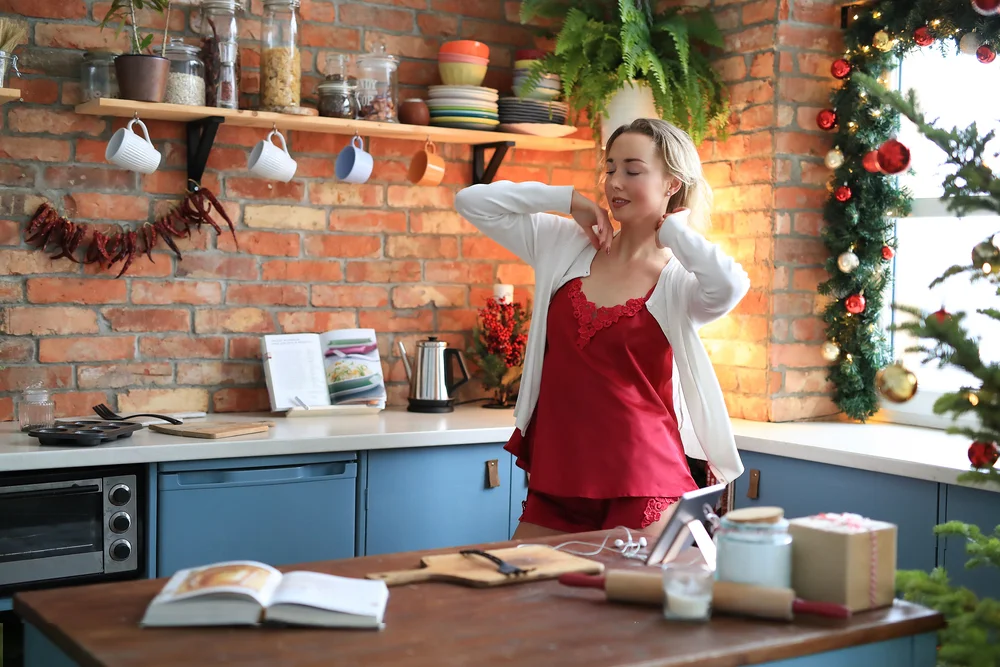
<point x="280" y="60"/>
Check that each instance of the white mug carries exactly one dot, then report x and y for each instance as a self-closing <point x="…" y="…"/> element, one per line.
<point x="130" y="151"/>
<point x="354" y="165"/>
<point x="269" y="161"/>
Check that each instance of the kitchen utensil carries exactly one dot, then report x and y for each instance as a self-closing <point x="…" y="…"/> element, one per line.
<point x="503" y="567"/>
<point x="431" y="379"/>
<point x="645" y="586"/>
<point x="271" y="162"/>
<point x="213" y="430"/>
<point x="104" y="412"/>
<point x="538" y="562"/>
<point x="130" y="151"/>
<point x="354" y="164"/>
<point x="83" y="433"/>
<point x="426" y="167"/>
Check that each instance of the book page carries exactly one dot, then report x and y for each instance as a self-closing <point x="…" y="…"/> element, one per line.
<point x="359" y="597"/>
<point x="353" y="367"/>
<point x="293" y="366"/>
<point x="244" y="578"/>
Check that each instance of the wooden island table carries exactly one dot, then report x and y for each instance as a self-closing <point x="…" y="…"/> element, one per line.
<point x="438" y="624"/>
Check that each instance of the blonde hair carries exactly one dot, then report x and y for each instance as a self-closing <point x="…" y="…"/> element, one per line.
<point x="681" y="159"/>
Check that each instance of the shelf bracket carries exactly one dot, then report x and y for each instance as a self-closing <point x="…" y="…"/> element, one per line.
<point x="200" y="137"/>
<point x="485" y="173"/>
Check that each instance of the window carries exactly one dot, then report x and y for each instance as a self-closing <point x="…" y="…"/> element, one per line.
<point x="957" y="90"/>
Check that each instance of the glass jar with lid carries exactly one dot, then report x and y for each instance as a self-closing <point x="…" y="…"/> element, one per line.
<point x="97" y="75"/>
<point x="35" y="409"/>
<point x="186" y="79"/>
<point x="378" y="88"/>
<point x="280" y="60"/>
<point x="220" y="51"/>
<point x="753" y="546"/>
<point x="338" y="91"/>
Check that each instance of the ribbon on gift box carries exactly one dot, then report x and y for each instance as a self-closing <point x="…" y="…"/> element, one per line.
<point x="856" y="523"/>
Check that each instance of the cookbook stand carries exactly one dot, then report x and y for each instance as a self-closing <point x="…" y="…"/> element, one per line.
<point x="332" y="411"/>
<point x="686" y="526"/>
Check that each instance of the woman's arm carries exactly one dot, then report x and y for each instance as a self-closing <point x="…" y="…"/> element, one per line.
<point x="720" y="282"/>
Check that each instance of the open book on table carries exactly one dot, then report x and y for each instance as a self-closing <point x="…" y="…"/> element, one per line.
<point x="252" y="593"/>
<point x="336" y="368"/>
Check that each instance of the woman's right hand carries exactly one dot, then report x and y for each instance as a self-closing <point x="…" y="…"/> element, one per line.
<point x="589" y="216"/>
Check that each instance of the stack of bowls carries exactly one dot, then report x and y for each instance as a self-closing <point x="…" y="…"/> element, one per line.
<point x="463" y="107"/>
<point x="463" y="62"/>
<point x="547" y="89"/>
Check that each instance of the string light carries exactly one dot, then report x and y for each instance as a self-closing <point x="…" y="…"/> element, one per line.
<point x="876" y="15"/>
<point x="987" y="267"/>
<point x="876" y="113"/>
<point x="850" y="358"/>
<point x="973" y="400"/>
<point x="935" y="23"/>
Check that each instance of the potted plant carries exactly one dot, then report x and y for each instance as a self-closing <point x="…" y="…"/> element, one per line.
<point x="498" y="349"/>
<point x="622" y="60"/>
<point x="141" y="76"/>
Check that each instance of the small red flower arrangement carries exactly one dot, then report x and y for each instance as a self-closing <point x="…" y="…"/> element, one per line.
<point x="498" y="348"/>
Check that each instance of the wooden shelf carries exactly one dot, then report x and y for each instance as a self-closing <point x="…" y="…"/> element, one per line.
<point x="9" y="95"/>
<point x="265" y="119"/>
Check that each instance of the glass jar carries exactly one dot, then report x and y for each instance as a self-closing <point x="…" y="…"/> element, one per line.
<point x="754" y="547"/>
<point x="186" y="79"/>
<point x="338" y="92"/>
<point x="378" y="93"/>
<point x="35" y="409"/>
<point x="97" y="75"/>
<point x="220" y="51"/>
<point x="280" y="60"/>
<point x="687" y="592"/>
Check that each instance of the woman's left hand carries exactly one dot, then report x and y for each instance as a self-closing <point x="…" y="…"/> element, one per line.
<point x="663" y="219"/>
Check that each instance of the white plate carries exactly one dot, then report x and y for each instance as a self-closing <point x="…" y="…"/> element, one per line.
<point x="472" y="89"/>
<point x="538" y="129"/>
<point x="457" y="102"/>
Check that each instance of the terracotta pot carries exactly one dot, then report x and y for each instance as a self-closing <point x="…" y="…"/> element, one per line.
<point x="414" y="112"/>
<point x="141" y="77"/>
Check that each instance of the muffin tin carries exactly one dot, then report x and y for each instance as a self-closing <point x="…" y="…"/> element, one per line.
<point x="85" y="433"/>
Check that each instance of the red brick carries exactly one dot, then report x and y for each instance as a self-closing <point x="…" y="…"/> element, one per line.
<point x="810" y="382"/>
<point x="407" y="196"/>
<point x="244" y="348"/>
<point x="88" y="177"/>
<point x="39" y="321"/>
<point x="74" y="403"/>
<point x="435" y="25"/>
<point x="29" y="120"/>
<point x="343" y="245"/>
<point x="238" y="136"/>
<point x="800" y="143"/>
<point x="318" y="10"/>
<point x="267" y="295"/>
<point x="16" y="350"/>
<point x="756" y="118"/>
<point x="383" y="272"/>
<point x="483" y="10"/>
<point x="147" y="319"/>
<point x="240" y="399"/>
<point x="345" y="39"/>
<point x="752" y="39"/>
<point x="755" y="170"/>
<point x="314" y="321"/>
<point x="395" y="20"/>
<point x="216" y="266"/>
<point x="389" y="321"/>
<point x="10" y="233"/>
<point x="106" y="376"/>
<point x="799" y="251"/>
<point x="33" y="148"/>
<point x="182" y="347"/>
<point x="732" y="69"/>
<point x="515" y="274"/>
<point x="804" y="91"/>
<point x="808" y="279"/>
<point x="260" y="188"/>
<point x="821" y="12"/>
<point x="16" y="378"/>
<point x="441" y="296"/>
<point x="518" y="174"/>
<point x="741" y="198"/>
<point x="227" y="159"/>
<point x="90" y="348"/>
<point x="457" y="319"/>
<point x="302" y="271"/>
<point x="809" y="224"/>
<point x="233" y="320"/>
<point x="727" y="19"/>
<point x="829" y="39"/>
<point x="793" y="197"/>
<point x="458" y="272"/>
<point x="168" y="292"/>
<point x="759" y="91"/>
<point x="65" y="9"/>
<point x="6" y="409"/>
<point x="80" y="38"/>
<point x="269" y="244"/>
<point x="346" y="194"/>
<point x="762" y="66"/>
<point x="809" y="329"/>
<point x="740" y="146"/>
<point x="218" y="372"/>
<point x="761" y="11"/>
<point x="793" y="304"/>
<point x="141" y="267"/>
<point x="164" y="400"/>
<point x="349" y="296"/>
<point x="814" y="173"/>
<point x="426" y="247"/>
<point x="95" y="206"/>
<point x="783" y="171"/>
<point x="74" y="290"/>
<point x="424" y="73"/>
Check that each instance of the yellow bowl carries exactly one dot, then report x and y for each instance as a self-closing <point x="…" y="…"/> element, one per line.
<point x="461" y="74"/>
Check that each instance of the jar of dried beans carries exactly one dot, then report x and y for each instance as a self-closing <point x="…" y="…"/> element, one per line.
<point x="338" y="92"/>
<point x="220" y="51"/>
<point x="186" y="79"/>
<point x="280" y="62"/>
<point x="97" y="75"/>
<point x="377" y="85"/>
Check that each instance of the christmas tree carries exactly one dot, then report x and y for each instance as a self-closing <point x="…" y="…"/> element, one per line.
<point x="971" y="637"/>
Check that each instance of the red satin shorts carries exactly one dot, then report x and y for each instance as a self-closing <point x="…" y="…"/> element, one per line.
<point x="579" y="515"/>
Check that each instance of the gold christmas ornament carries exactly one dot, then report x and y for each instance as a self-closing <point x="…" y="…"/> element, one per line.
<point x="848" y="261"/>
<point x="882" y="41"/>
<point x="830" y="351"/>
<point x="896" y="382"/>
<point x="834" y="159"/>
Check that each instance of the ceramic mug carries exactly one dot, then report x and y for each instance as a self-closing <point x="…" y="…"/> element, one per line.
<point x="269" y="161"/>
<point x="354" y="164"/>
<point x="130" y="151"/>
<point x="426" y="167"/>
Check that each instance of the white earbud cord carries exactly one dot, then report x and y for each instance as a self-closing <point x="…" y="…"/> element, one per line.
<point x="627" y="548"/>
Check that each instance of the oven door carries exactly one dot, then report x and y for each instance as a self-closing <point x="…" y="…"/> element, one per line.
<point x="51" y="530"/>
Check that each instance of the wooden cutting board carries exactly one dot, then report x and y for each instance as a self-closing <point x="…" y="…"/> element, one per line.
<point x="213" y="430"/>
<point x="540" y="562"/>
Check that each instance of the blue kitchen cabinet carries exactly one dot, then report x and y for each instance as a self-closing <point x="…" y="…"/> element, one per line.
<point x="433" y="497"/>
<point x="518" y="492"/>
<point x="981" y="508"/>
<point x="803" y="488"/>
<point x="279" y="510"/>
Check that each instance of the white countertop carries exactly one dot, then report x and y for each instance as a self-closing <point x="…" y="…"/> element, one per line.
<point x="887" y="448"/>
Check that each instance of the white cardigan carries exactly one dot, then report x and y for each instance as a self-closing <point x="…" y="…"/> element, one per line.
<point x="699" y="285"/>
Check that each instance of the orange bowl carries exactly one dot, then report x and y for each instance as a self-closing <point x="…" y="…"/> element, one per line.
<point x="461" y="58"/>
<point x="468" y="47"/>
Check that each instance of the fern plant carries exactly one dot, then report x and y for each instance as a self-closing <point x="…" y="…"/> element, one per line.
<point x="600" y="45"/>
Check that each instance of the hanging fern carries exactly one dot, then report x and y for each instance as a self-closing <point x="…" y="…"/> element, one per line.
<point x="602" y="44"/>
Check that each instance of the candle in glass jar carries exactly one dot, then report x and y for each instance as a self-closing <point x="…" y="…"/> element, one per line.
<point x="504" y="293"/>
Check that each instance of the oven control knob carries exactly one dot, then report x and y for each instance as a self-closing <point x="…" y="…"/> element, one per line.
<point x="120" y="494"/>
<point x="121" y="549"/>
<point x="120" y="522"/>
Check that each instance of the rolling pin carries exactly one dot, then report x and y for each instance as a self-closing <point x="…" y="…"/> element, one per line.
<point x="640" y="587"/>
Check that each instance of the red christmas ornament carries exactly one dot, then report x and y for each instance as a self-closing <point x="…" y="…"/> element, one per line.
<point x="922" y="36"/>
<point x="893" y="157"/>
<point x="842" y="194"/>
<point x="855" y="304"/>
<point x="985" y="54"/>
<point x="840" y="68"/>
<point x="983" y="454"/>
<point x="887" y="252"/>
<point x="986" y="7"/>
<point x="826" y="119"/>
<point x="870" y="162"/>
<point x="941" y="315"/>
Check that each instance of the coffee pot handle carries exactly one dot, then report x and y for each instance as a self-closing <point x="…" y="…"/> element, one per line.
<point x="450" y="381"/>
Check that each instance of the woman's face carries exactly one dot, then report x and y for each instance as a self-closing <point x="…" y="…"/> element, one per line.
<point x="637" y="184"/>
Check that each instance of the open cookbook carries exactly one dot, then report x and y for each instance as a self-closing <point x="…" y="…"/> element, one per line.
<point x="252" y="593"/>
<point x="336" y="368"/>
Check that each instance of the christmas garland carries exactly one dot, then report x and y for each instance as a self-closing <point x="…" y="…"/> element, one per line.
<point x="864" y="197"/>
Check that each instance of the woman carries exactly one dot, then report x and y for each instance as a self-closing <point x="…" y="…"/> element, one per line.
<point x="614" y="335"/>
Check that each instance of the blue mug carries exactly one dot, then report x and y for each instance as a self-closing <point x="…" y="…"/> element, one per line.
<point x="354" y="165"/>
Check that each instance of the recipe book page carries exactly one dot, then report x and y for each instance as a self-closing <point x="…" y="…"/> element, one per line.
<point x="294" y="368"/>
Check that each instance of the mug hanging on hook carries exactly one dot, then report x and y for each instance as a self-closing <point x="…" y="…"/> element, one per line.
<point x="130" y="151"/>
<point x="354" y="164"/>
<point x="269" y="161"/>
<point x="426" y="167"/>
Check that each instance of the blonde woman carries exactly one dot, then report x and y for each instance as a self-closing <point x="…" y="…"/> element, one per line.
<point x="613" y="357"/>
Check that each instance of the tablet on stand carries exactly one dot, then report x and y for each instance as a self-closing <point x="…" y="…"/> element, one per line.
<point x="685" y="527"/>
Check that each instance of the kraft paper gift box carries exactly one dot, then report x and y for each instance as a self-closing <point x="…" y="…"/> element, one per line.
<point x="845" y="559"/>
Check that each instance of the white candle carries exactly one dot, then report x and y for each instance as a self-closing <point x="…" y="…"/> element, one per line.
<point x="503" y="293"/>
<point x="693" y="607"/>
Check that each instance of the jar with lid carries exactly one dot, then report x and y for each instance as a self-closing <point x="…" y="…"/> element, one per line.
<point x="186" y="79"/>
<point x="35" y="409"/>
<point x="338" y="92"/>
<point x="220" y="51"/>
<point x="377" y="85"/>
<point x="280" y="60"/>
<point x="753" y="546"/>
<point x="97" y="75"/>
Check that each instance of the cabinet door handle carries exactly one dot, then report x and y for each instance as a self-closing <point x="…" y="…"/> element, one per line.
<point x="754" y="489"/>
<point x="492" y="473"/>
